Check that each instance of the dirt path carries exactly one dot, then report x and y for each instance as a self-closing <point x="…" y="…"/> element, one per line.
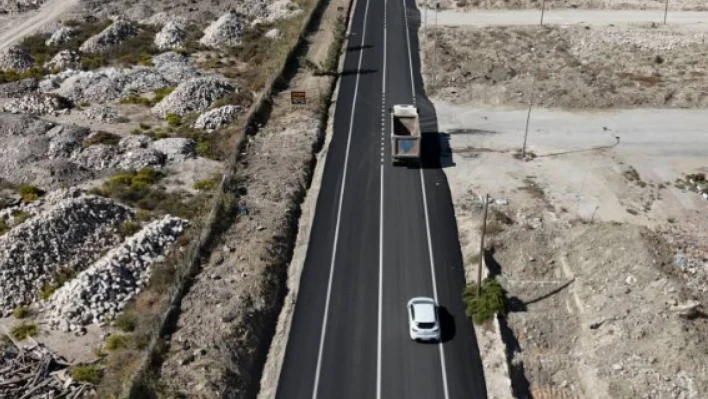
<point x="48" y="13"/>
<point x="689" y="19"/>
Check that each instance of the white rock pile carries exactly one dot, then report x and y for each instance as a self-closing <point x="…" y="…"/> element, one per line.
<point x="68" y="237"/>
<point x="15" y="58"/>
<point x="102" y="291"/>
<point x="175" y="149"/>
<point x="37" y="103"/>
<point x="101" y="113"/>
<point x="8" y="6"/>
<point x="110" y="84"/>
<point x="118" y="32"/>
<point x="60" y="36"/>
<point x="135" y="152"/>
<point x="171" y="36"/>
<point x="18" y="88"/>
<point x="217" y="118"/>
<point x="194" y="95"/>
<point x="64" y="59"/>
<point x="225" y="31"/>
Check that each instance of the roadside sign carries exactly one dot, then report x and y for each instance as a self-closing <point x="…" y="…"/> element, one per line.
<point x="298" y="98"/>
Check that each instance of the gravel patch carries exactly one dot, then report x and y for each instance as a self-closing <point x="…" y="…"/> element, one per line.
<point x="38" y="103"/>
<point x="64" y="59"/>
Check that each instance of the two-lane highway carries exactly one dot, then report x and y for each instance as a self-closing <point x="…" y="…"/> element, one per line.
<point x="380" y="236"/>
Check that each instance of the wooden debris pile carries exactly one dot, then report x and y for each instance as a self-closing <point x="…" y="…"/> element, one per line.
<point x="34" y="372"/>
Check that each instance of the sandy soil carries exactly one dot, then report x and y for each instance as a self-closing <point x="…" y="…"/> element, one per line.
<point x="570" y="67"/>
<point x="687" y="19"/>
<point x="674" y="5"/>
<point x="588" y="234"/>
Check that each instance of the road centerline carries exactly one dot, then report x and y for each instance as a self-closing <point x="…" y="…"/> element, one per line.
<point x="381" y="213"/>
<point x="339" y="210"/>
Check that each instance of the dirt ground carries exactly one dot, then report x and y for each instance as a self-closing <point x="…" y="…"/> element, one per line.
<point x="598" y="243"/>
<point x="246" y="281"/>
<point x="571" y="67"/>
<point x="685" y="5"/>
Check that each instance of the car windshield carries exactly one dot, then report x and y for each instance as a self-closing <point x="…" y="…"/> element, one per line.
<point x="426" y="326"/>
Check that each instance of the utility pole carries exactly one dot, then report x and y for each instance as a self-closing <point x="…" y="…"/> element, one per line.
<point x="543" y="10"/>
<point x="528" y="119"/>
<point x="481" y="247"/>
<point x="666" y="11"/>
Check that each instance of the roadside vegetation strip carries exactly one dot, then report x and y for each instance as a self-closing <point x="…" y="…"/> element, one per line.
<point x="270" y="64"/>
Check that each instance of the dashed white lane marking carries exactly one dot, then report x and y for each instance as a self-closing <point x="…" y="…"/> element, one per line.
<point x="323" y="333"/>
<point x="381" y="209"/>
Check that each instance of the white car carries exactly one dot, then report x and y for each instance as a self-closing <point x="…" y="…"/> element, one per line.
<point x="423" y="319"/>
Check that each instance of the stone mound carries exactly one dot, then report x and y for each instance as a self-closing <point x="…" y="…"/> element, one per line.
<point x="171" y="36"/>
<point x="102" y="291"/>
<point x="217" y="118"/>
<point x="67" y="237"/>
<point x="38" y="103"/>
<point x="225" y="31"/>
<point x="195" y="95"/>
<point x="64" y="59"/>
<point x="16" y="58"/>
<point x="60" y="36"/>
<point x="116" y="33"/>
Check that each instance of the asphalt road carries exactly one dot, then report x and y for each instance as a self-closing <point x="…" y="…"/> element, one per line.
<point x="380" y="236"/>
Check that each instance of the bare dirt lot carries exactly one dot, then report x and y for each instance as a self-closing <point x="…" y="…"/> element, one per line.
<point x="595" y="236"/>
<point x="575" y="67"/>
<point x="685" y="5"/>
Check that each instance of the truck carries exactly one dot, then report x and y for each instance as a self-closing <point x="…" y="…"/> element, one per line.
<point x="405" y="135"/>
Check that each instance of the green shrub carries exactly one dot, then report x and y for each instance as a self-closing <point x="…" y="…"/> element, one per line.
<point x="4" y="228"/>
<point x="128" y="228"/>
<point x="161" y="93"/>
<point x="144" y="126"/>
<point x="94" y="61"/>
<point x="331" y="63"/>
<point x="135" y="99"/>
<point x="204" y="148"/>
<point x="125" y="322"/>
<point x="143" y="215"/>
<point x="85" y="104"/>
<point x="29" y="193"/>
<point x="207" y="184"/>
<point x="20" y="217"/>
<point x="174" y="120"/>
<point x="20" y="312"/>
<point x="102" y="138"/>
<point x="24" y="330"/>
<point x="492" y="300"/>
<point x="46" y="291"/>
<point x="88" y="374"/>
<point x="116" y="342"/>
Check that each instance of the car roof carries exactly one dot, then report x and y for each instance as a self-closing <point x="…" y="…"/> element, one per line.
<point x="424" y="309"/>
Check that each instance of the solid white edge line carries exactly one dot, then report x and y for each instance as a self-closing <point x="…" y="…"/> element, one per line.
<point x="410" y="57"/>
<point x="432" y="273"/>
<point x="381" y="210"/>
<point x="339" y="210"/>
<point x="425" y="208"/>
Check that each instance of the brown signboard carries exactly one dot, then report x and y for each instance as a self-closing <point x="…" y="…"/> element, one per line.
<point x="298" y="97"/>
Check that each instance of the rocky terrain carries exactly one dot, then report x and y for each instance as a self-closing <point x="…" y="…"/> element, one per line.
<point x="7" y="6"/>
<point x="117" y="120"/>
<point x="572" y="67"/>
